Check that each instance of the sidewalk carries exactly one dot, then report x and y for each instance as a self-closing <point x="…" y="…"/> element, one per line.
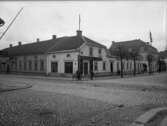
<point x="8" y="86"/>
<point x="153" y="117"/>
<point x="85" y="79"/>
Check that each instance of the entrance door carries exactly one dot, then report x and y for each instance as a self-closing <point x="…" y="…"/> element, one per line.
<point x="85" y="68"/>
<point x="54" y="67"/>
<point x="111" y="67"/>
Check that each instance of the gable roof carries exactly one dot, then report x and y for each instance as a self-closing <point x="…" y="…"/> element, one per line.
<point x="52" y="45"/>
<point x="133" y="45"/>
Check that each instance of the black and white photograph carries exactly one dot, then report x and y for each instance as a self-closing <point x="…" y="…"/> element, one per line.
<point x="83" y="63"/>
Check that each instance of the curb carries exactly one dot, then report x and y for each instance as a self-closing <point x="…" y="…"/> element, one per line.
<point x="148" y="116"/>
<point x="16" y="88"/>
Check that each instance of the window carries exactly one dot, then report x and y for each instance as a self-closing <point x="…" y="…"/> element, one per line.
<point x="68" y="55"/>
<point x="35" y="65"/>
<point x="68" y="67"/>
<point x="30" y="65"/>
<point x="99" y="52"/>
<point x="20" y="65"/>
<point x="127" y="65"/>
<point x="96" y="66"/>
<point x="117" y="65"/>
<point x="54" y="67"/>
<point x="123" y="65"/>
<point x="90" y="51"/>
<point x="35" y="57"/>
<point x="54" y="56"/>
<point x="130" y="65"/>
<point x="25" y="65"/>
<point x="104" y="65"/>
<point x="41" y="65"/>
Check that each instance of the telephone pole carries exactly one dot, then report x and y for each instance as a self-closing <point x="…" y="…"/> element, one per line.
<point x="11" y="23"/>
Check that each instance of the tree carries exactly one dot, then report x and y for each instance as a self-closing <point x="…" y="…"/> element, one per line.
<point x="150" y="59"/>
<point x="122" y="54"/>
<point x="133" y="54"/>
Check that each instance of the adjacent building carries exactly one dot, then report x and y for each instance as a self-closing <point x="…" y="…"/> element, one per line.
<point x="163" y="60"/>
<point x="135" y="55"/>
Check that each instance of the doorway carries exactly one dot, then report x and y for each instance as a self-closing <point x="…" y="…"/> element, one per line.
<point x="54" y="67"/>
<point x="85" y="68"/>
<point x="111" y="67"/>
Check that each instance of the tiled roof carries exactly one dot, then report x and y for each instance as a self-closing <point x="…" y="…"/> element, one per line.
<point x="31" y="48"/>
<point x="52" y="45"/>
<point x="134" y="45"/>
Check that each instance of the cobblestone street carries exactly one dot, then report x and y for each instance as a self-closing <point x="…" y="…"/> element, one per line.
<point x="128" y="91"/>
<point x="135" y="95"/>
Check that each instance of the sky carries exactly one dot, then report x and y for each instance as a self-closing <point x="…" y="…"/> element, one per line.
<point x="103" y="22"/>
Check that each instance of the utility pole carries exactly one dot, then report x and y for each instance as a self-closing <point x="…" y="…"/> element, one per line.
<point x="121" y="59"/>
<point x="11" y="23"/>
<point x="2" y="22"/>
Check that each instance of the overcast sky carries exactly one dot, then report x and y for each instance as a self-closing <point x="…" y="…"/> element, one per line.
<point x="101" y="21"/>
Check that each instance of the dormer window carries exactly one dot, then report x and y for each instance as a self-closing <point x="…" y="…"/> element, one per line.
<point x="54" y="56"/>
<point x="68" y="55"/>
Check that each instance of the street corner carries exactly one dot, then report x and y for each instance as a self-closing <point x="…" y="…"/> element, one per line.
<point x="11" y="87"/>
<point x="152" y="117"/>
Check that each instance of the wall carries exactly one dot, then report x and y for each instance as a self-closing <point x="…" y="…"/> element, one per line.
<point x="15" y="65"/>
<point x="85" y="51"/>
<point x="60" y="58"/>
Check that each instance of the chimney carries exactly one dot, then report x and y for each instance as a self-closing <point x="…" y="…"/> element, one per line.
<point x="79" y="33"/>
<point x="10" y="45"/>
<point x="147" y="43"/>
<point x="113" y="42"/>
<point x="19" y="43"/>
<point x="37" y="40"/>
<point x="53" y="37"/>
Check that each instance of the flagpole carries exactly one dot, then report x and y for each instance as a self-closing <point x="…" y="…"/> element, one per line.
<point x="79" y="22"/>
